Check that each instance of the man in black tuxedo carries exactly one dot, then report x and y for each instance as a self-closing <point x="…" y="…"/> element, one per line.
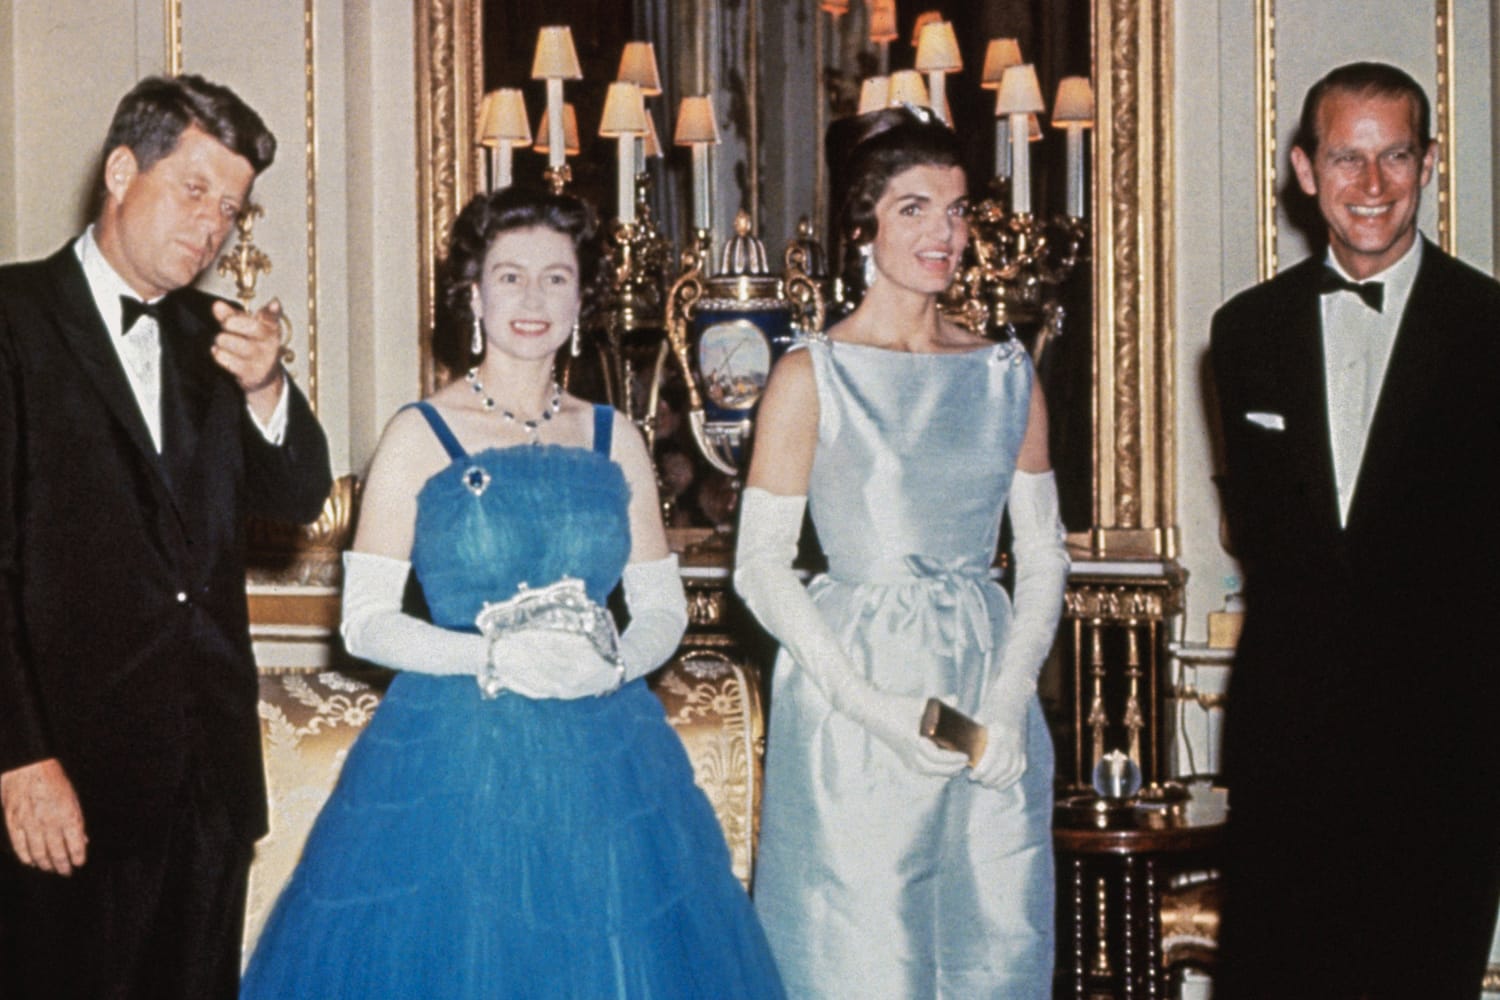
<point x="140" y="422"/>
<point x="1359" y="399"/>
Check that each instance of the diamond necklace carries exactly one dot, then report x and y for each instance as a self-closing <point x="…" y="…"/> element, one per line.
<point x="534" y="425"/>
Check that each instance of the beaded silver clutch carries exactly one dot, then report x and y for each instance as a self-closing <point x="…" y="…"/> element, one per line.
<point x="563" y="606"/>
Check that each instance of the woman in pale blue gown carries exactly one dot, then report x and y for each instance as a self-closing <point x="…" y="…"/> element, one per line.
<point x="536" y="835"/>
<point x="890" y="867"/>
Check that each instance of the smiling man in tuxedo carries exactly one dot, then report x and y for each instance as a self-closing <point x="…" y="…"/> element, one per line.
<point x="140" y="422"/>
<point x="1359" y="402"/>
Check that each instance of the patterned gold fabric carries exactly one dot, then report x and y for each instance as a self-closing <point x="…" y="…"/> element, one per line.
<point x="309" y="719"/>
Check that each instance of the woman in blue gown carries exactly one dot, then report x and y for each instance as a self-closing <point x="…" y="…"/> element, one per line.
<point x="890" y="867"/>
<point x="518" y="820"/>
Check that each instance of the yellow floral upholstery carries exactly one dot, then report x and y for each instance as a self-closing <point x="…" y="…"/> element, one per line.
<point x="309" y="719"/>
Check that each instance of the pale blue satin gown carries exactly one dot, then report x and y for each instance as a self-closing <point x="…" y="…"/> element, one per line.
<point x="874" y="881"/>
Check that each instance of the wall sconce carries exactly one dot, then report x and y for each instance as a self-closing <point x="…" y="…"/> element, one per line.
<point x="556" y="60"/>
<point x="937" y="56"/>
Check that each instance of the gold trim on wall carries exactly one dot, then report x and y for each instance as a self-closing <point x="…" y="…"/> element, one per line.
<point x="1265" y="139"/>
<point x="449" y="79"/>
<point x="1134" y="392"/>
<point x="310" y="122"/>
<point x="172" y="20"/>
<point x="1446" y="129"/>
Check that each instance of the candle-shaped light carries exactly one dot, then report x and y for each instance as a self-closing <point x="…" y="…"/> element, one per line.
<point x="555" y="61"/>
<point x="874" y="94"/>
<point x="1074" y="110"/>
<point x="1020" y="95"/>
<point x="481" y="137"/>
<point x="570" y="132"/>
<point x="502" y="129"/>
<point x="907" y="88"/>
<point x="937" y="56"/>
<point x="624" y="120"/>
<point x="883" y="31"/>
<point x="1002" y="54"/>
<point x="697" y="128"/>
<point x="638" y="66"/>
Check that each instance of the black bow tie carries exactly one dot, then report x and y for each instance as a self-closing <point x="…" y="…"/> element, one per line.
<point x="132" y="309"/>
<point x="1373" y="292"/>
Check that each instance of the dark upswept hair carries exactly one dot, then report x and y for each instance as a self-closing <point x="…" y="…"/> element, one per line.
<point x="866" y="151"/>
<point x="484" y="218"/>
<point x="150" y="120"/>
<point x="1364" y="79"/>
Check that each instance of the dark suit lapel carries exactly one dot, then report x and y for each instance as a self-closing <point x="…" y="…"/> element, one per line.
<point x="1306" y="385"/>
<point x="84" y="332"/>
<point x="1410" y="378"/>
<point x="187" y="383"/>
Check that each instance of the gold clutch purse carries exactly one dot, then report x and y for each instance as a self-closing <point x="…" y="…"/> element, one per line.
<point x="953" y="730"/>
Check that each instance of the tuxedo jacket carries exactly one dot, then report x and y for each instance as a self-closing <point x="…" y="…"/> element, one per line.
<point x="124" y="633"/>
<point x="1375" y="638"/>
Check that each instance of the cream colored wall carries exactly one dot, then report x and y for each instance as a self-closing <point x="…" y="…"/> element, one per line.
<point x="340" y="200"/>
<point x="1215" y="205"/>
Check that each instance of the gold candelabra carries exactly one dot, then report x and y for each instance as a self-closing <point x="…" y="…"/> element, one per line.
<point x="1019" y="262"/>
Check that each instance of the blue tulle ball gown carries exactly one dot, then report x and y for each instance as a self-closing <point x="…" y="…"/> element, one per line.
<point x="511" y="847"/>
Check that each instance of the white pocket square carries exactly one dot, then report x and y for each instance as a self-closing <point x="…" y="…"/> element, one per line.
<point x="1270" y="421"/>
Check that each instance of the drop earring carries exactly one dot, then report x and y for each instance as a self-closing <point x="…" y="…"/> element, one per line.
<point x="575" y="348"/>
<point x="476" y="341"/>
<point x="867" y="264"/>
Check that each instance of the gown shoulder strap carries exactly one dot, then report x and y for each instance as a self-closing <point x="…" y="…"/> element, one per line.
<point x="604" y="428"/>
<point x="439" y="427"/>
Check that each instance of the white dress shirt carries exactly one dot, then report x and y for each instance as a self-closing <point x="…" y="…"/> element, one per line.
<point x="1357" y="344"/>
<point x="140" y="349"/>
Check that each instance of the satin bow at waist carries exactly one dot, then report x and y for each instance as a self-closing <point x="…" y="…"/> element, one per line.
<point x="957" y="584"/>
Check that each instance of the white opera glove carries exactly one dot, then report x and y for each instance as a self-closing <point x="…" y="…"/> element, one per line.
<point x="763" y="576"/>
<point x="1041" y="578"/>
<point x="658" y="615"/>
<point x="375" y="628"/>
<point x="549" y="663"/>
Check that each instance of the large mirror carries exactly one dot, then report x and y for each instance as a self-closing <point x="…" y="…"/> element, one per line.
<point x="1119" y="425"/>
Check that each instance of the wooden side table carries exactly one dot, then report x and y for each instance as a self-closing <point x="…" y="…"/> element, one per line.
<point x="1112" y="863"/>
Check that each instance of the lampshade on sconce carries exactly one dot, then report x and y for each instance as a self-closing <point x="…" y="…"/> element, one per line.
<point x="907" y="88"/>
<point x="1019" y="92"/>
<point x="1002" y="54"/>
<point x="1074" y="104"/>
<point x="502" y="116"/>
<point x="638" y="66"/>
<point x="837" y="8"/>
<point x="695" y="122"/>
<point x="937" y="56"/>
<point x="874" y="94"/>
<point x="696" y="127"/>
<point x="624" y="111"/>
<point x="937" y="49"/>
<point x="555" y="58"/>
<point x="570" y="132"/>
